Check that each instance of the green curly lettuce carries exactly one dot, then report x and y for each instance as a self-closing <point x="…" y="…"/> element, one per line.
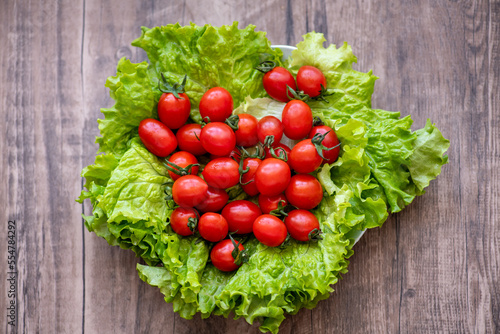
<point x="382" y="166"/>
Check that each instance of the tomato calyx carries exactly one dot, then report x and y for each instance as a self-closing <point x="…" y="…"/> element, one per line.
<point x="282" y="155"/>
<point x="266" y="66"/>
<point x="317" y="141"/>
<point x="283" y="209"/>
<point x="296" y="94"/>
<point x="233" y="121"/>
<point x="285" y="242"/>
<point x="176" y="169"/>
<point x="322" y="94"/>
<point x="315" y="235"/>
<point x="175" y="89"/>
<point x="192" y="224"/>
<point x="317" y="121"/>
<point x="259" y="154"/>
<point x="239" y="256"/>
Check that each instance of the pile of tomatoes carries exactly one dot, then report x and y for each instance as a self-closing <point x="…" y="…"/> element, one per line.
<point x="241" y="150"/>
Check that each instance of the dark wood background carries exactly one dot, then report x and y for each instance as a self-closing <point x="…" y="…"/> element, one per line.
<point x="435" y="267"/>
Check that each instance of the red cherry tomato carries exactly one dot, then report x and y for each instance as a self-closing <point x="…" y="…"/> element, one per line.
<point x="270" y="203"/>
<point x="304" y="191"/>
<point x="180" y="218"/>
<point x="240" y="216"/>
<point x="157" y="137"/>
<point x="221" y="255"/>
<point x="300" y="223"/>
<point x="330" y="140"/>
<point x="183" y="159"/>
<point x="297" y="119"/>
<point x="304" y="157"/>
<point x="269" y="230"/>
<point x="189" y="191"/>
<point x="272" y="176"/>
<point x="216" y="104"/>
<point x="218" y="138"/>
<point x="188" y="137"/>
<point x="310" y="79"/>
<point x="252" y="164"/>
<point x="174" y="112"/>
<point x="275" y="82"/>
<point x="246" y="135"/>
<point x="222" y="173"/>
<point x="215" y="201"/>
<point x="269" y="126"/>
<point x="212" y="227"/>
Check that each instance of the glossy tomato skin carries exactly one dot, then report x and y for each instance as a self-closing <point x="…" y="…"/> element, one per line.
<point x="189" y="191"/>
<point x="252" y="164"/>
<point x="218" y="139"/>
<point x="157" y="137"/>
<point x="212" y="227"/>
<point x="188" y="137"/>
<point x="246" y="135"/>
<point x="304" y="191"/>
<point x="297" y="119"/>
<point x="215" y="201"/>
<point x="240" y="216"/>
<point x="222" y="173"/>
<point x="269" y="230"/>
<point x="272" y="176"/>
<point x="300" y="223"/>
<point x="174" y="112"/>
<point x="269" y="126"/>
<point x="310" y="79"/>
<point x="304" y="157"/>
<point x="216" y="104"/>
<point x="275" y="82"/>
<point x="330" y="140"/>
<point x="183" y="159"/>
<point x="179" y="220"/>
<point x="270" y="203"/>
<point x="221" y="255"/>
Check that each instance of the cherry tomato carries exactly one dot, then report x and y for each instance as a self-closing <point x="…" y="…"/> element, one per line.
<point x="310" y="79"/>
<point x="212" y="227"/>
<point x="183" y="159"/>
<point x="270" y="203"/>
<point x="180" y="218"/>
<point x="222" y="173"/>
<point x="275" y="82"/>
<point x="215" y="201"/>
<point x="304" y="191"/>
<point x="279" y="149"/>
<point x="269" y="126"/>
<point x="157" y="137"/>
<point x="188" y="137"/>
<point x="269" y="230"/>
<point x="246" y="135"/>
<point x="216" y="104"/>
<point x="221" y="255"/>
<point x="189" y="190"/>
<point x="174" y="112"/>
<point x="330" y="140"/>
<point x="218" y="138"/>
<point x="252" y="164"/>
<point x="240" y="216"/>
<point x="297" y="119"/>
<point x="272" y="176"/>
<point x="304" y="157"/>
<point x="300" y="223"/>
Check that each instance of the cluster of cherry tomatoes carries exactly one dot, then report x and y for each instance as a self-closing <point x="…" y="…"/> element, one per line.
<point x="242" y="150"/>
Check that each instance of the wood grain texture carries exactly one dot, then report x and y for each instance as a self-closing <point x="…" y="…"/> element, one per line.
<point x="435" y="267"/>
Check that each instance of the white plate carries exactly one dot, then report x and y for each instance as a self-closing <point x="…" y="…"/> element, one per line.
<point x="287" y="52"/>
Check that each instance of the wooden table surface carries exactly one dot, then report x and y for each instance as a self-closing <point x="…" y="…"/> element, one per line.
<point x="435" y="267"/>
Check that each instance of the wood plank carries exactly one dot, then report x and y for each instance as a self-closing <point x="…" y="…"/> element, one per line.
<point x="43" y="157"/>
